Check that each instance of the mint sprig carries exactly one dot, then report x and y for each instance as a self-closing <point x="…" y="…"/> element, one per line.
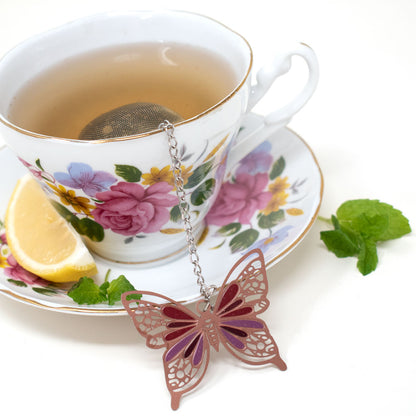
<point x="359" y="225"/>
<point x="87" y="292"/>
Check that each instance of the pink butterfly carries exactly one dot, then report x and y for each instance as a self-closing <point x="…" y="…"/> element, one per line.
<point x="187" y="336"/>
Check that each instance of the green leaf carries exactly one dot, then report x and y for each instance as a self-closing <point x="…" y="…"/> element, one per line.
<point x="85" y="291"/>
<point x="203" y="192"/>
<point x="277" y="168"/>
<point x="84" y="226"/>
<point x="198" y="175"/>
<point x="45" y="291"/>
<point x="218" y="246"/>
<point x="367" y="257"/>
<point x="269" y="221"/>
<point x="39" y="165"/>
<point x="340" y="243"/>
<point x="104" y="287"/>
<point x="134" y="296"/>
<point x="359" y="225"/>
<point x="128" y="173"/>
<point x="175" y="213"/>
<point x="117" y="287"/>
<point x="335" y="222"/>
<point x="89" y="228"/>
<point x="230" y="229"/>
<point x="244" y="240"/>
<point x="17" y="282"/>
<point x="64" y="212"/>
<point x="350" y="214"/>
<point x="370" y="227"/>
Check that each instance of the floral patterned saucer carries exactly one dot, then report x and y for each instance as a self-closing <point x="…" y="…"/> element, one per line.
<point x="269" y="200"/>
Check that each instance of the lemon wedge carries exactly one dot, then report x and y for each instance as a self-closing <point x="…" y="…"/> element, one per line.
<point x="41" y="240"/>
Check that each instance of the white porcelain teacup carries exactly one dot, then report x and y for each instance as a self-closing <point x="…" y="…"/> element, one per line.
<point x="122" y="217"/>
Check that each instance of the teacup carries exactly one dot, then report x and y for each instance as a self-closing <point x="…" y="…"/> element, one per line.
<point x="119" y="193"/>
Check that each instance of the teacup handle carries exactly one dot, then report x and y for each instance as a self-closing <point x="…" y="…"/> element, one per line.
<point x="265" y="77"/>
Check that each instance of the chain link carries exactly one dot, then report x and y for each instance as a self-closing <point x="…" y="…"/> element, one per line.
<point x="205" y="290"/>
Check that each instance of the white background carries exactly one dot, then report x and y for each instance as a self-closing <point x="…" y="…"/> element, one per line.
<point x="349" y="341"/>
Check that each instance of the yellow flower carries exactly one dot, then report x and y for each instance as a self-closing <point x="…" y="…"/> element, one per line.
<point x="275" y="203"/>
<point x="156" y="175"/>
<point x="3" y="262"/>
<point x="68" y="197"/>
<point x="279" y="185"/>
<point x="279" y="196"/>
<point x="165" y="175"/>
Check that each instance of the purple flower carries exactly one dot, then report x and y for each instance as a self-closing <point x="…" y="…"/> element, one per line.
<point x="81" y="176"/>
<point x="257" y="161"/>
<point x="17" y="272"/>
<point x="277" y="237"/>
<point x="3" y="239"/>
<point x="129" y="208"/>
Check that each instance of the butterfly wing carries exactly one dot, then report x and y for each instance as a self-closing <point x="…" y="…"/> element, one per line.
<point x="241" y="298"/>
<point x="171" y="325"/>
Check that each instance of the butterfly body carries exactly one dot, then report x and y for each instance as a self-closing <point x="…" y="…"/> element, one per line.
<point x="187" y="335"/>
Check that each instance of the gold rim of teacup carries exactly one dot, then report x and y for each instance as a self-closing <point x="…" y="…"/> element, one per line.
<point x="149" y="133"/>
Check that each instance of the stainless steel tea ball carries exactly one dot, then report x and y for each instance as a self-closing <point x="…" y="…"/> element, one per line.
<point x="127" y="120"/>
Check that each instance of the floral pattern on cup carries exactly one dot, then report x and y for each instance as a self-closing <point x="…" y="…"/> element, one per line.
<point x="81" y="176"/>
<point x="253" y="203"/>
<point x="127" y="201"/>
<point x="252" y="209"/>
<point x="130" y="209"/>
<point x="133" y="203"/>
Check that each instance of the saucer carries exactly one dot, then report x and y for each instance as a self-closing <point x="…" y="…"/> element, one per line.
<point x="283" y="170"/>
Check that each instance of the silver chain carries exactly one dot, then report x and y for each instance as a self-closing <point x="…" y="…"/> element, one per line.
<point x="205" y="290"/>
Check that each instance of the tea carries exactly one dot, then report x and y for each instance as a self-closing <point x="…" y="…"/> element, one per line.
<point x="62" y="100"/>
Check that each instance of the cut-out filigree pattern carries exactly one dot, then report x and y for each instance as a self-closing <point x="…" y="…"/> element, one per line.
<point x="188" y="336"/>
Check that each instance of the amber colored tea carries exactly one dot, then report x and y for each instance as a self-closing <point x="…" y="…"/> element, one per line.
<point x="63" y="99"/>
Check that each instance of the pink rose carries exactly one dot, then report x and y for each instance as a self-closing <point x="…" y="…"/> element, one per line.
<point x="129" y="208"/>
<point x="17" y="272"/>
<point x="239" y="200"/>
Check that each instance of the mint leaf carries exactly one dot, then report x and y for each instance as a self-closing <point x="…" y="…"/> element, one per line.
<point x="85" y="291"/>
<point x="376" y="212"/>
<point x="340" y="243"/>
<point x="371" y="227"/>
<point x="359" y="225"/>
<point x="117" y="287"/>
<point x="104" y="287"/>
<point x="367" y="257"/>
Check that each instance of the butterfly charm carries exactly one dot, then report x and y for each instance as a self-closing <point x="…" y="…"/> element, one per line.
<point x="187" y="336"/>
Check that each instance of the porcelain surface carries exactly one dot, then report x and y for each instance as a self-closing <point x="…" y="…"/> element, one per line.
<point x="268" y="200"/>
